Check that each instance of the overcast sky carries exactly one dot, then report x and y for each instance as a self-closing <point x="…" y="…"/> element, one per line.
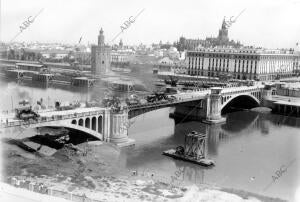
<point x="267" y="23"/>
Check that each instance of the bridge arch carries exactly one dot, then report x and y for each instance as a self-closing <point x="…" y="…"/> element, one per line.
<point x="74" y="122"/>
<point x="88" y="132"/>
<point x="87" y="122"/>
<point x="243" y="101"/>
<point x="94" y="123"/>
<point x="80" y="122"/>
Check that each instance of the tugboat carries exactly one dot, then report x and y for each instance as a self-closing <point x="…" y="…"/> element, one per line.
<point x="193" y="150"/>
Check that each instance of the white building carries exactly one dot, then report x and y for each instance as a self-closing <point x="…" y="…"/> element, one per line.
<point x="259" y="64"/>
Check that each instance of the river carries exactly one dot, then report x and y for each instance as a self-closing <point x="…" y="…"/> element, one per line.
<point x="248" y="149"/>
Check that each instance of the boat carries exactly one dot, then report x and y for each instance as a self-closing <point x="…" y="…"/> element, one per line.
<point x="203" y="162"/>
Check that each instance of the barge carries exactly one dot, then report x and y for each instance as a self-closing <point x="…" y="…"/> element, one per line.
<point x="194" y="150"/>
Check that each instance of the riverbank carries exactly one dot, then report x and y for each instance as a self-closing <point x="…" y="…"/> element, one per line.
<point x="122" y="189"/>
<point x="92" y="172"/>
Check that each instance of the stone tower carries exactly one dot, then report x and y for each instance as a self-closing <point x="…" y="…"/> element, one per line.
<point x="101" y="57"/>
<point x="223" y="33"/>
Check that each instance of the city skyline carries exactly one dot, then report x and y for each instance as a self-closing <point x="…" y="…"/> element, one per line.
<point x="68" y="21"/>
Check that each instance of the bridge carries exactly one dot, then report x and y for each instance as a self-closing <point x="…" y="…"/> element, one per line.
<point x="206" y="104"/>
<point x="106" y="124"/>
<point x="100" y="123"/>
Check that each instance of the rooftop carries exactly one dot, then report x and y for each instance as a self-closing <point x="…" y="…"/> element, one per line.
<point x="29" y="64"/>
<point x="257" y="51"/>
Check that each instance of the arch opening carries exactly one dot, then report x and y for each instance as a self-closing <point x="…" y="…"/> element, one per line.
<point x="74" y="122"/>
<point x="94" y="123"/>
<point x="87" y="122"/>
<point x="239" y="103"/>
<point x="80" y="122"/>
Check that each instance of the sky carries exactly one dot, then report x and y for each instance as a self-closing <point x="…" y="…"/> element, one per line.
<point x="265" y="23"/>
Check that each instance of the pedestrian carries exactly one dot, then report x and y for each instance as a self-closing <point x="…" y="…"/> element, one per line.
<point x="17" y="183"/>
<point x="14" y="181"/>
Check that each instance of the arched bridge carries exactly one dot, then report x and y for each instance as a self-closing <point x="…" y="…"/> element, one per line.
<point x="111" y="126"/>
<point x="240" y="98"/>
<point x="101" y="123"/>
<point x="207" y="102"/>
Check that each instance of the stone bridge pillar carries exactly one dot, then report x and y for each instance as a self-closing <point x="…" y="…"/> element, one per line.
<point x="118" y="129"/>
<point x="214" y="107"/>
<point x="266" y="96"/>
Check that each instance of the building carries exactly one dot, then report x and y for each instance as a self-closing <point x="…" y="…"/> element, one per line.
<point x="257" y="64"/>
<point x="119" y="57"/>
<point x="221" y="40"/>
<point x="223" y="34"/>
<point x="101" y="57"/>
<point x="166" y="65"/>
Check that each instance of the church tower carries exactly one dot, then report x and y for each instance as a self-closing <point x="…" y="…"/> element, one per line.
<point x="223" y="33"/>
<point x="121" y="44"/>
<point x="101" y="57"/>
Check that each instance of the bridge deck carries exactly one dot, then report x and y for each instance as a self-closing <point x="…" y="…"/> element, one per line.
<point x="10" y="120"/>
<point x="193" y="96"/>
<point x="187" y="97"/>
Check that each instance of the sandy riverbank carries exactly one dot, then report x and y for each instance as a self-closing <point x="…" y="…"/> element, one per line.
<point x="89" y="171"/>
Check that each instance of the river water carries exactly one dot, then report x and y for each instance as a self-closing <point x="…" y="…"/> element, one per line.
<point x="248" y="149"/>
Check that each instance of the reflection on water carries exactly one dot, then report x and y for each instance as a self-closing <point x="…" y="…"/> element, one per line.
<point x="248" y="149"/>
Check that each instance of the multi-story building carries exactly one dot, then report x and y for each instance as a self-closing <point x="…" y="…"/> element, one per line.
<point x="166" y="65"/>
<point x="257" y="64"/>
<point x="101" y="57"/>
<point x="119" y="57"/>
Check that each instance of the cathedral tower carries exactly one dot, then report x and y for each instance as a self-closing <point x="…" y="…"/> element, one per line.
<point x="223" y="33"/>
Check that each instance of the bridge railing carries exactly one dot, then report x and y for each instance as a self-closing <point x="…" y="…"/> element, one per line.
<point x="47" y="119"/>
<point x="241" y="88"/>
<point x="196" y="95"/>
<point x="159" y="104"/>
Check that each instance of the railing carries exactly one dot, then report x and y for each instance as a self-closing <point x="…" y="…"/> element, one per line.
<point x="241" y="90"/>
<point x="159" y="104"/>
<point x="43" y="119"/>
<point x="235" y="90"/>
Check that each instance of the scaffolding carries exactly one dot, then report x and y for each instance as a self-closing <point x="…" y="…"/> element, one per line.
<point x="195" y="145"/>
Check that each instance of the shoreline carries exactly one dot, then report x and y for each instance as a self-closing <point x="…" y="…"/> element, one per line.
<point x="92" y="175"/>
<point x="129" y="188"/>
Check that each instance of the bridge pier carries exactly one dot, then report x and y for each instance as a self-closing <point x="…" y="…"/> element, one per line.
<point x="214" y="107"/>
<point x="116" y="128"/>
<point x="267" y="96"/>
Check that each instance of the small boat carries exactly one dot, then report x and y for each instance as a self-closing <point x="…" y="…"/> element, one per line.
<point x="203" y="162"/>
